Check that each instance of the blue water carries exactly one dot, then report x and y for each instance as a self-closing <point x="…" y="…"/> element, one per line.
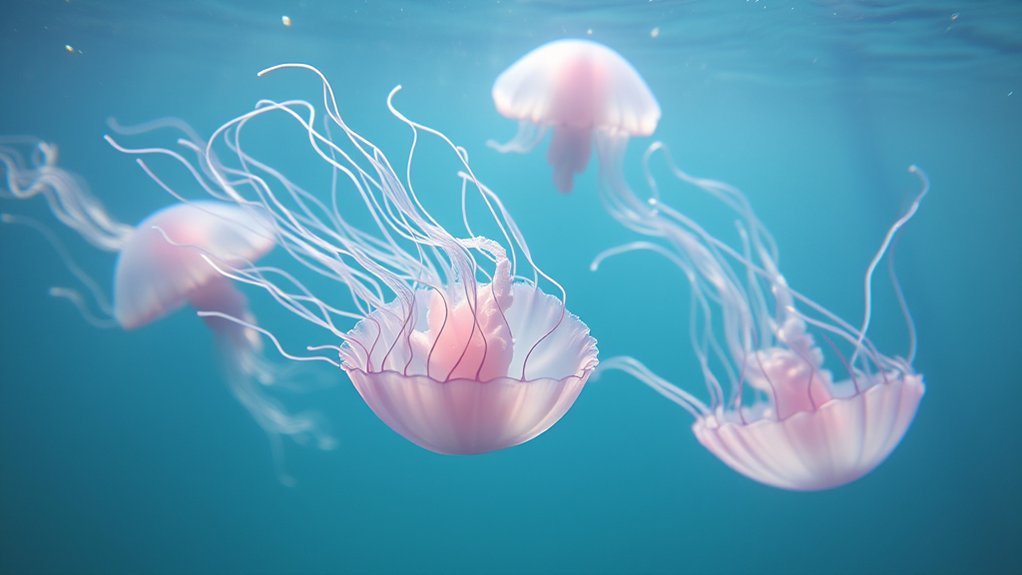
<point x="125" y="453"/>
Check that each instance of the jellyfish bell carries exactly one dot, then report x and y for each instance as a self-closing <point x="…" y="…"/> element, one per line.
<point x="581" y="90"/>
<point x="162" y="265"/>
<point x="810" y="432"/>
<point x="834" y="443"/>
<point x="775" y="414"/>
<point x="455" y="400"/>
<point x="452" y="341"/>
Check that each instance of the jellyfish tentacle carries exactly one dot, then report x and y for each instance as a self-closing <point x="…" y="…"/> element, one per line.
<point x="504" y="221"/>
<point x="697" y="297"/>
<point x="66" y="195"/>
<point x="638" y="370"/>
<point x="529" y="136"/>
<point x="164" y="123"/>
<point x="97" y="296"/>
<point x="906" y="313"/>
<point x="78" y="301"/>
<point x="888" y="238"/>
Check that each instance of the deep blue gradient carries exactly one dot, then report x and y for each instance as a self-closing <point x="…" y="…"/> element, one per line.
<point x="125" y="453"/>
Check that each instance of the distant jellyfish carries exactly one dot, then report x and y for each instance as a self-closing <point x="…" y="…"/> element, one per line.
<point x="582" y="91"/>
<point x="163" y="264"/>
<point x="447" y="336"/>
<point x="775" y="413"/>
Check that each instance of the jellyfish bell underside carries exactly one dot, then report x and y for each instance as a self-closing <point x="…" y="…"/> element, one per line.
<point x="830" y="445"/>
<point x="581" y="90"/>
<point x="467" y="414"/>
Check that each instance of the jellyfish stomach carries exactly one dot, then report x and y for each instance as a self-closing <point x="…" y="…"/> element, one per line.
<point x="793" y="381"/>
<point x="470" y="339"/>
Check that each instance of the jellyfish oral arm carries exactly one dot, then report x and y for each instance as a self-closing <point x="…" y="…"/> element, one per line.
<point x="246" y="374"/>
<point x="220" y="295"/>
<point x="569" y="154"/>
<point x="470" y="339"/>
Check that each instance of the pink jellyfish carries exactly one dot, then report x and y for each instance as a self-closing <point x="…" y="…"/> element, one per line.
<point x="775" y="414"/>
<point x="163" y="264"/>
<point x="581" y="90"/>
<point x="453" y="345"/>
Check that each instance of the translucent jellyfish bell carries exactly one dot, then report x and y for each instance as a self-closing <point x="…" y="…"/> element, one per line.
<point x="155" y="275"/>
<point x="164" y="263"/>
<point x="580" y="89"/>
<point x="454" y="345"/>
<point x="466" y="389"/>
<point x="775" y="414"/>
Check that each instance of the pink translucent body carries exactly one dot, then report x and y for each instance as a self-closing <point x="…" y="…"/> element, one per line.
<point x="775" y="413"/>
<point x="164" y="263"/>
<point x="470" y="340"/>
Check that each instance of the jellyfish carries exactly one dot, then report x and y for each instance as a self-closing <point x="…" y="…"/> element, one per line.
<point x="448" y="336"/>
<point x="583" y="91"/>
<point x="776" y="413"/>
<point x="162" y="265"/>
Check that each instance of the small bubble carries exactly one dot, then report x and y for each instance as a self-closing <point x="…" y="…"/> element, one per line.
<point x="286" y="21"/>
<point x="954" y="17"/>
<point x="69" y="48"/>
<point x="655" y="32"/>
<point x="589" y="32"/>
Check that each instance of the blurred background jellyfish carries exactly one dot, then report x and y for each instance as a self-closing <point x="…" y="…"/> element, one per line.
<point x="163" y="265"/>
<point x="454" y="345"/>
<point x="582" y="91"/>
<point x="775" y="414"/>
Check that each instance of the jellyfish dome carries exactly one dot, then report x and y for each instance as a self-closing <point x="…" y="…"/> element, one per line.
<point x="156" y="272"/>
<point x="451" y="340"/>
<point x="776" y="414"/>
<point x="581" y="90"/>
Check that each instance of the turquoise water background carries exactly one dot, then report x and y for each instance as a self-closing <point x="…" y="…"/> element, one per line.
<point x="125" y="453"/>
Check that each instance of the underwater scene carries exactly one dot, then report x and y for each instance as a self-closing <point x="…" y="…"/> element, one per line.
<point x="516" y="286"/>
